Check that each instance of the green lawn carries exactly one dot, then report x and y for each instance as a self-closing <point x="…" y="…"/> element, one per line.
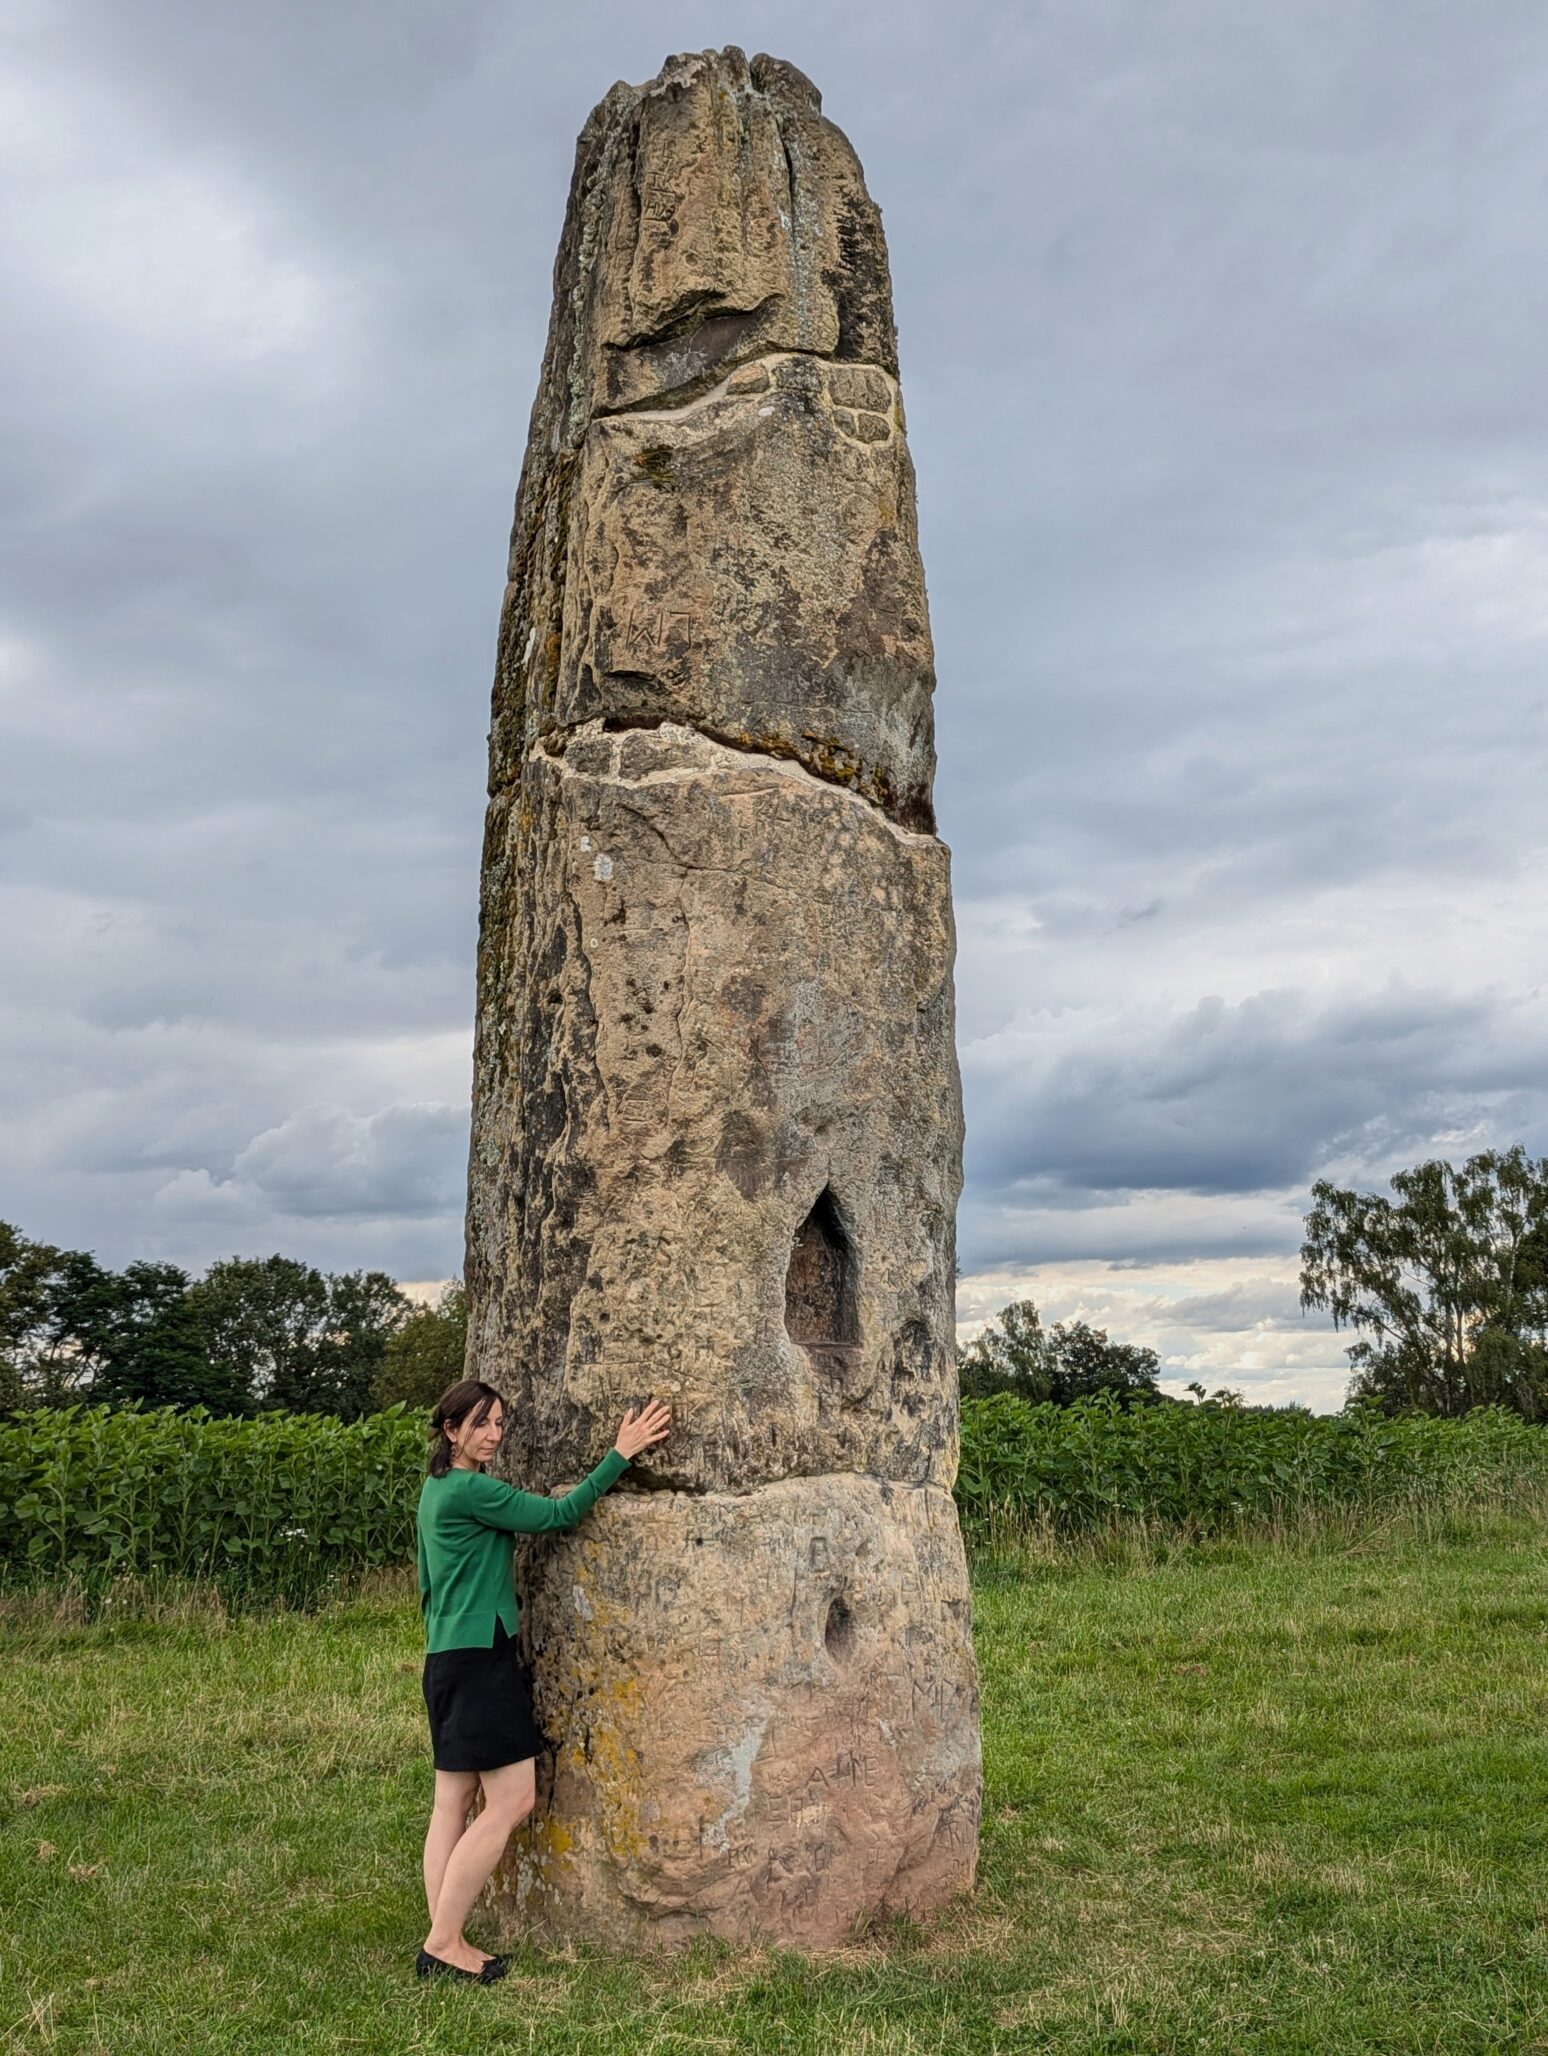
<point x="1242" y="1799"/>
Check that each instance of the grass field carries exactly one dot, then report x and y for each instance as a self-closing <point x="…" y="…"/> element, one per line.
<point x="1265" y="1796"/>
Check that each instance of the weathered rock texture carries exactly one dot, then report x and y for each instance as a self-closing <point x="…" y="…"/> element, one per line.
<point x="717" y="1118"/>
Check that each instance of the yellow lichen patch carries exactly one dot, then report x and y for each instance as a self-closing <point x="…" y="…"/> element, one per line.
<point x="832" y="759"/>
<point x="615" y="1771"/>
<point x="553" y="1838"/>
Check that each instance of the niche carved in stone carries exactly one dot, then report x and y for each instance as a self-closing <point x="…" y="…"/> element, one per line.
<point x="820" y="1309"/>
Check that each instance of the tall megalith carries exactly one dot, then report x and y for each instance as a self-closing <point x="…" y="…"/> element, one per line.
<point x="717" y="1117"/>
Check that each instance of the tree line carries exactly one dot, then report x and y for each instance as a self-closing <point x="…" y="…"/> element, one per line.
<point x="254" y="1334"/>
<point x="1444" y="1284"/>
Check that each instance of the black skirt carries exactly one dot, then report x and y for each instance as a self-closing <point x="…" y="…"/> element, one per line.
<point x="480" y="1707"/>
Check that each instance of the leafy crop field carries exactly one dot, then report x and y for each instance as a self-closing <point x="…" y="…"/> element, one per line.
<point x="1284" y="1794"/>
<point x="289" y="1506"/>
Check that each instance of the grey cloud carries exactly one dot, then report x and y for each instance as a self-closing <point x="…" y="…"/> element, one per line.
<point x="326" y="1163"/>
<point x="1237" y="1308"/>
<point x="996" y="1232"/>
<point x="1245" y="1098"/>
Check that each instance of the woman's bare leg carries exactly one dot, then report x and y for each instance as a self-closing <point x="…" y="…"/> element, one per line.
<point x="455" y="1791"/>
<point x="508" y="1798"/>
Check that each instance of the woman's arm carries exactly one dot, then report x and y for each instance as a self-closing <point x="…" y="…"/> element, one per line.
<point x="499" y="1505"/>
<point x="524" y="1513"/>
<point x="527" y="1514"/>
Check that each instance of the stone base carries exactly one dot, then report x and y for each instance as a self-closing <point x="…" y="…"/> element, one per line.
<point x="766" y="1706"/>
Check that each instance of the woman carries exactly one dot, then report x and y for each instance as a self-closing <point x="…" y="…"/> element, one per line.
<point x="481" y="1727"/>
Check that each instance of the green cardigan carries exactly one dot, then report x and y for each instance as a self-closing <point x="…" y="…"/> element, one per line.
<point x="468" y="1523"/>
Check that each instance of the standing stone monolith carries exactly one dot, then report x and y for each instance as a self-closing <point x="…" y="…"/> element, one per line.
<point x="717" y="1134"/>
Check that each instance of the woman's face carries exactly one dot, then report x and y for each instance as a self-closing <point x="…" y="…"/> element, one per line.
<point x="478" y="1444"/>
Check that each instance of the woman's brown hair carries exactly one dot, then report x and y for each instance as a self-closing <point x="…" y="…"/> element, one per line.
<point x="456" y="1403"/>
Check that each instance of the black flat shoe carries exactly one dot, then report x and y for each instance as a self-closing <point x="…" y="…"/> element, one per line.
<point x="426" y="1965"/>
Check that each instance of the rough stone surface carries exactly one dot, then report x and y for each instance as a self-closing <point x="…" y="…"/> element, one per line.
<point x="739" y="998"/>
<point x="717" y="1117"/>
<point x="769" y="1714"/>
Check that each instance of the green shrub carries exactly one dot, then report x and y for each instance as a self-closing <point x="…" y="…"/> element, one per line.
<point x="1207" y="1467"/>
<point x="270" y="1507"/>
<point x="279" y="1507"/>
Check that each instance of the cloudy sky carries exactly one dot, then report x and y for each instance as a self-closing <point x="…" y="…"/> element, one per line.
<point x="1222" y="341"/>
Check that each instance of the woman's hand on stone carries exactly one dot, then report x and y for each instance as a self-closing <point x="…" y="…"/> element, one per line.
<point x="653" y="1423"/>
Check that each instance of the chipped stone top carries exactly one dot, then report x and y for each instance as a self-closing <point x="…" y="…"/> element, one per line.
<point x="716" y="521"/>
<point x="714" y="215"/>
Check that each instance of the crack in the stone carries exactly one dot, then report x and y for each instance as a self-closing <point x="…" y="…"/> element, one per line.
<point x="694" y="312"/>
<point x="790" y="179"/>
<point x="697" y="391"/>
<point x="644" y="1488"/>
<point x="554" y="741"/>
